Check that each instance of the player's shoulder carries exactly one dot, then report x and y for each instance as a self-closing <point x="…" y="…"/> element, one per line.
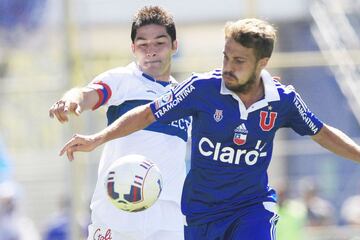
<point x="285" y="91"/>
<point x="116" y="77"/>
<point x="214" y="75"/>
<point x="210" y="78"/>
<point x="118" y="72"/>
<point x="200" y="82"/>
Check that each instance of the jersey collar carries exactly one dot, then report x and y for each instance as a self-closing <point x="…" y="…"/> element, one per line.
<point x="145" y="76"/>
<point x="271" y="94"/>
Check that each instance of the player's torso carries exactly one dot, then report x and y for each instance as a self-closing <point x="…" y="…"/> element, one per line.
<point x="231" y="150"/>
<point x="164" y="144"/>
<point x="225" y="133"/>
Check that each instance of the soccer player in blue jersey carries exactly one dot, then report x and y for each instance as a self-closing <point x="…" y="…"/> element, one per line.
<point x="236" y="112"/>
<point x="153" y="36"/>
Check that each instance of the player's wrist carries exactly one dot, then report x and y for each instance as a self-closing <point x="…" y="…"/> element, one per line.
<point x="75" y="95"/>
<point x="99" y="139"/>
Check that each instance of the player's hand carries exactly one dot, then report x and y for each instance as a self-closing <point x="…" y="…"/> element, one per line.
<point x="79" y="143"/>
<point x="63" y="107"/>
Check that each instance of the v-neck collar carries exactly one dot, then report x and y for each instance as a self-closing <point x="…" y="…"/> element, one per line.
<point x="148" y="77"/>
<point x="270" y="89"/>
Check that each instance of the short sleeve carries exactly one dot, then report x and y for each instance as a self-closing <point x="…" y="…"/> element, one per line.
<point x="301" y="119"/>
<point x="176" y="103"/>
<point x="107" y="86"/>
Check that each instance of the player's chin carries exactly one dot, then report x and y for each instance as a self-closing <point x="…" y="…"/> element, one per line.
<point x="154" y="70"/>
<point x="229" y="79"/>
<point x="230" y="83"/>
<point x="234" y="86"/>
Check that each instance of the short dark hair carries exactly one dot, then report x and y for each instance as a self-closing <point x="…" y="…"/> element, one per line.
<point x="253" y="33"/>
<point x="153" y="15"/>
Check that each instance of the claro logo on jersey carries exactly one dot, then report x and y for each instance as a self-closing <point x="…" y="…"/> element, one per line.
<point x="167" y="101"/>
<point x="230" y="155"/>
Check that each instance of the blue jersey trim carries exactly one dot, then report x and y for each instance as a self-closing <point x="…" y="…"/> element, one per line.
<point x="162" y="83"/>
<point x="173" y="129"/>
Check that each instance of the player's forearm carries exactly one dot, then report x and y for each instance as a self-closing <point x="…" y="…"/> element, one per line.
<point x="338" y="142"/>
<point x="134" y="120"/>
<point x="85" y="97"/>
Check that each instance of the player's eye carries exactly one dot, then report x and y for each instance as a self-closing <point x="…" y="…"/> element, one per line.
<point x="141" y="44"/>
<point x="238" y="61"/>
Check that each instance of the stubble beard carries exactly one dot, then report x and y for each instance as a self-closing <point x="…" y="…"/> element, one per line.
<point x="243" y="88"/>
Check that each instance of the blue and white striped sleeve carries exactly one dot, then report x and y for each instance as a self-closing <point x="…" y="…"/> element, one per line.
<point x="302" y="120"/>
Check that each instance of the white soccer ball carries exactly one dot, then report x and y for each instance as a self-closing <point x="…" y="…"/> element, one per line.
<point x="133" y="183"/>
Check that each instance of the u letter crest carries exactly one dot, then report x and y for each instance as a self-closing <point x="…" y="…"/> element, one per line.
<point x="267" y="122"/>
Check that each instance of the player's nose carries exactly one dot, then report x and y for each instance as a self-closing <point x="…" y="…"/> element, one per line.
<point x="151" y="54"/>
<point x="227" y="67"/>
<point x="151" y="51"/>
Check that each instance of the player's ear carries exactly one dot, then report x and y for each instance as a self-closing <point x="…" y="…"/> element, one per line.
<point x="133" y="48"/>
<point x="174" y="46"/>
<point x="263" y="62"/>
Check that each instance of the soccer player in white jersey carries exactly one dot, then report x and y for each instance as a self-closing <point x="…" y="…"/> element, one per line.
<point x="236" y="112"/>
<point x="154" y="42"/>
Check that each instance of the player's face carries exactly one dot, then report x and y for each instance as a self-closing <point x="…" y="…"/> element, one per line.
<point x="153" y="50"/>
<point x="241" y="69"/>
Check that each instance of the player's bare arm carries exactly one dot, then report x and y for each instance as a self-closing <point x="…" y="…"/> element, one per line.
<point x="338" y="142"/>
<point x="74" y="101"/>
<point x="134" y="120"/>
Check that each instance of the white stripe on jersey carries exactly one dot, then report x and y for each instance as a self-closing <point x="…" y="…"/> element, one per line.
<point x="273" y="221"/>
<point x="194" y="78"/>
<point x="302" y="103"/>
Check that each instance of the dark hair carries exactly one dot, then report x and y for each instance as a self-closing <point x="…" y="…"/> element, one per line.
<point x="153" y="15"/>
<point x="253" y="33"/>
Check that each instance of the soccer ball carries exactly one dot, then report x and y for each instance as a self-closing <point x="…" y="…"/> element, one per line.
<point x="133" y="183"/>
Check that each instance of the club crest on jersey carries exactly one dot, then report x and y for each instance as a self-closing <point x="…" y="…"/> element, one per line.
<point x="163" y="100"/>
<point x="218" y="115"/>
<point x="267" y="122"/>
<point x="240" y="134"/>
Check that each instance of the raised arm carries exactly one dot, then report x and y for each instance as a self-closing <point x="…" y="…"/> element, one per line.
<point x="338" y="142"/>
<point x="132" y="121"/>
<point x="75" y="101"/>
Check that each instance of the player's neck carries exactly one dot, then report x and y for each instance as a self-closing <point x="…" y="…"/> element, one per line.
<point x="163" y="77"/>
<point x="254" y="93"/>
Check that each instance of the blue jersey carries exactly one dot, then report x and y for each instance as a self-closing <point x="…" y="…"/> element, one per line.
<point x="231" y="144"/>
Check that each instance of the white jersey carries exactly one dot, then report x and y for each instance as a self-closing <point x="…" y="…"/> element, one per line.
<point x="165" y="144"/>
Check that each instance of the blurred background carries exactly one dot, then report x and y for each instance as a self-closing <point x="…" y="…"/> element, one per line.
<point x="49" y="46"/>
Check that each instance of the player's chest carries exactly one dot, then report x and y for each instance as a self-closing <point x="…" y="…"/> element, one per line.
<point x="144" y="89"/>
<point x="226" y="120"/>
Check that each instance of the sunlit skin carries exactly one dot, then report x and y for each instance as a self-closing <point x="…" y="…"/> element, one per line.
<point x="241" y="71"/>
<point x="153" y="50"/>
